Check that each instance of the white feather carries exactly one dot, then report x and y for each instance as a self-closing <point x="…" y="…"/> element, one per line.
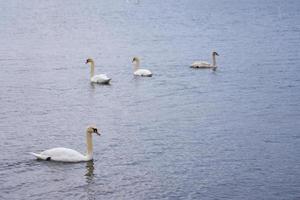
<point x="142" y="72"/>
<point x="61" y="154"/>
<point x="100" y="78"/>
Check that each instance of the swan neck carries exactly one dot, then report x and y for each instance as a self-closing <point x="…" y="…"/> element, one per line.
<point x="92" y="69"/>
<point x="214" y="62"/>
<point x="89" y="144"/>
<point x="136" y="65"/>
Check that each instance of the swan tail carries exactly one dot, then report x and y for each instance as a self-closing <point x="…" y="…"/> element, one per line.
<point x="40" y="156"/>
<point x="106" y="81"/>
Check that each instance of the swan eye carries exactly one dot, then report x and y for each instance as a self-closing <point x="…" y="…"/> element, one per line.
<point x="95" y="130"/>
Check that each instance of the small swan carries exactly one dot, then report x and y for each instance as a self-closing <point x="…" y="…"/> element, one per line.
<point x="69" y="155"/>
<point x="203" y="64"/>
<point x="137" y="70"/>
<point x="101" y="78"/>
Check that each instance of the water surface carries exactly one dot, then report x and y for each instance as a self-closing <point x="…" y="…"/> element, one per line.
<point x="182" y="134"/>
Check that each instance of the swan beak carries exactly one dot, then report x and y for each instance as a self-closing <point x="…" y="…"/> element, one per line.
<point x="133" y="59"/>
<point x="86" y="62"/>
<point x="217" y="54"/>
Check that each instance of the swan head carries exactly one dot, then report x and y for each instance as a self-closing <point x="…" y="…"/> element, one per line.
<point x="92" y="129"/>
<point x="215" y="53"/>
<point x="89" y="60"/>
<point x="135" y="59"/>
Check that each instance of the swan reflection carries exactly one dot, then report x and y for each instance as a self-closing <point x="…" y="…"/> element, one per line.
<point x="89" y="169"/>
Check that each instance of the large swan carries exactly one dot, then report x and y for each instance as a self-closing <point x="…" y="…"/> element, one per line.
<point x="101" y="78"/>
<point x="204" y="64"/>
<point x="69" y="155"/>
<point x="137" y="70"/>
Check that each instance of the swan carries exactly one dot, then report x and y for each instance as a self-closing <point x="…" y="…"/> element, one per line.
<point x="137" y="70"/>
<point x="203" y="64"/>
<point x="101" y="78"/>
<point x="62" y="154"/>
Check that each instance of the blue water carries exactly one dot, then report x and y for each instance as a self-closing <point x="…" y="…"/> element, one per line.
<point x="182" y="134"/>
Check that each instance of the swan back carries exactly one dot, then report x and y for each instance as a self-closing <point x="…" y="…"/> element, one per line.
<point x="142" y="72"/>
<point x="201" y="64"/>
<point x="100" y="78"/>
<point x="62" y="154"/>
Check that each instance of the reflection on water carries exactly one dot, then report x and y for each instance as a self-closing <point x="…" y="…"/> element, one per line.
<point x="90" y="192"/>
<point x="89" y="170"/>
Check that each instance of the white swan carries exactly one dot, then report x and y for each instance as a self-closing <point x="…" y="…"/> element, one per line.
<point x="137" y="70"/>
<point x="69" y="155"/>
<point x="101" y="78"/>
<point x="204" y="64"/>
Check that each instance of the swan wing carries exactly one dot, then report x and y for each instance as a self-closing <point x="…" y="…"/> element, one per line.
<point x="199" y="64"/>
<point x="143" y="72"/>
<point x="100" y="78"/>
<point x="61" y="154"/>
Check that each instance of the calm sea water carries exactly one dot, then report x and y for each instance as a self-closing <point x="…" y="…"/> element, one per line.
<point x="182" y="134"/>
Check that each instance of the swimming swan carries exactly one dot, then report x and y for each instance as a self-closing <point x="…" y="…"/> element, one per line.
<point x="137" y="70"/>
<point x="203" y="64"/>
<point x="101" y="78"/>
<point x="69" y="155"/>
